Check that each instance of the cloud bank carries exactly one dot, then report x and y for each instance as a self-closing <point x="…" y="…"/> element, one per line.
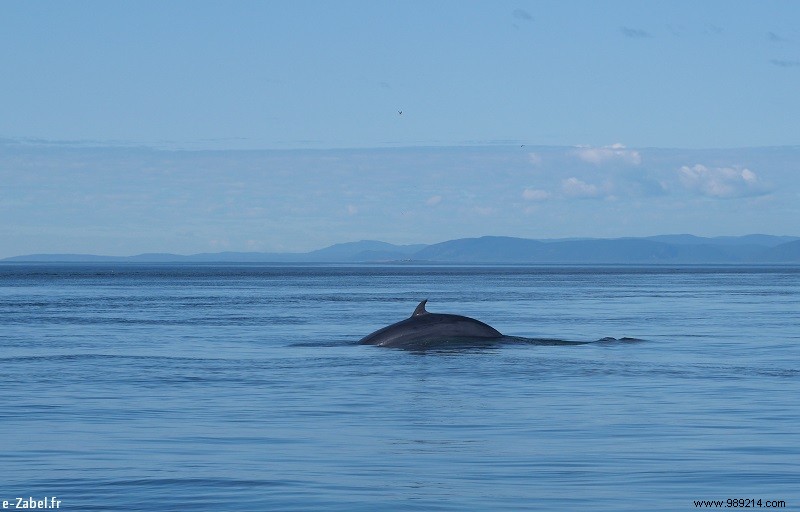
<point x="128" y="201"/>
<point x="532" y="194"/>
<point x="615" y="152"/>
<point x="721" y="182"/>
<point x="573" y="187"/>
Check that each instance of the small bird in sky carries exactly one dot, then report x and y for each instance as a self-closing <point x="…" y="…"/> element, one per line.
<point x="400" y="112"/>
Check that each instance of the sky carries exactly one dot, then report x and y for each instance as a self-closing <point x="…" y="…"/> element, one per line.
<point x="130" y="127"/>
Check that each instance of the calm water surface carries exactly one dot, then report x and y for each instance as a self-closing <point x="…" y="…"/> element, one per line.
<point x="209" y="388"/>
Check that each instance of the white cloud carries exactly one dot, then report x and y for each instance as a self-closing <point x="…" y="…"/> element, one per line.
<point x="573" y="187"/>
<point x="532" y="194"/>
<point x="722" y="182"/>
<point x="615" y="152"/>
<point x="433" y="200"/>
<point x="535" y="159"/>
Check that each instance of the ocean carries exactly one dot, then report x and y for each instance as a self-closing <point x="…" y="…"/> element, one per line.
<point x="242" y="387"/>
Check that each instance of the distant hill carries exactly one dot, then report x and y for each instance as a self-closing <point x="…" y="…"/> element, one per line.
<point x="664" y="249"/>
<point x="757" y="240"/>
<point x="62" y="258"/>
<point x="365" y="250"/>
<point x="607" y="251"/>
<point x="784" y="253"/>
<point x="487" y="249"/>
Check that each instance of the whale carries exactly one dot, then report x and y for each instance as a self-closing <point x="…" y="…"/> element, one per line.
<point x="424" y="329"/>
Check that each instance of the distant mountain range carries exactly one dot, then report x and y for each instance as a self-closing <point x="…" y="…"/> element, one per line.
<point x="663" y="249"/>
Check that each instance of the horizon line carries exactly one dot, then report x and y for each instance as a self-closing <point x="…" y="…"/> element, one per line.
<point x="186" y="146"/>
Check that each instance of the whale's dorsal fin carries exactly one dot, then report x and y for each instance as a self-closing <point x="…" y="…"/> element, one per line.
<point x="420" y="309"/>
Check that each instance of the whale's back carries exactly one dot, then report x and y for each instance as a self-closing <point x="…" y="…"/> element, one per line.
<point x="428" y="328"/>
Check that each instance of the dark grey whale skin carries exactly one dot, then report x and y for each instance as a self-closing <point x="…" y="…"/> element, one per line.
<point x="423" y="328"/>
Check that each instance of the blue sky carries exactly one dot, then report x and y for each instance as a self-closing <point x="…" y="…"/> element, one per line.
<point x="129" y="127"/>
